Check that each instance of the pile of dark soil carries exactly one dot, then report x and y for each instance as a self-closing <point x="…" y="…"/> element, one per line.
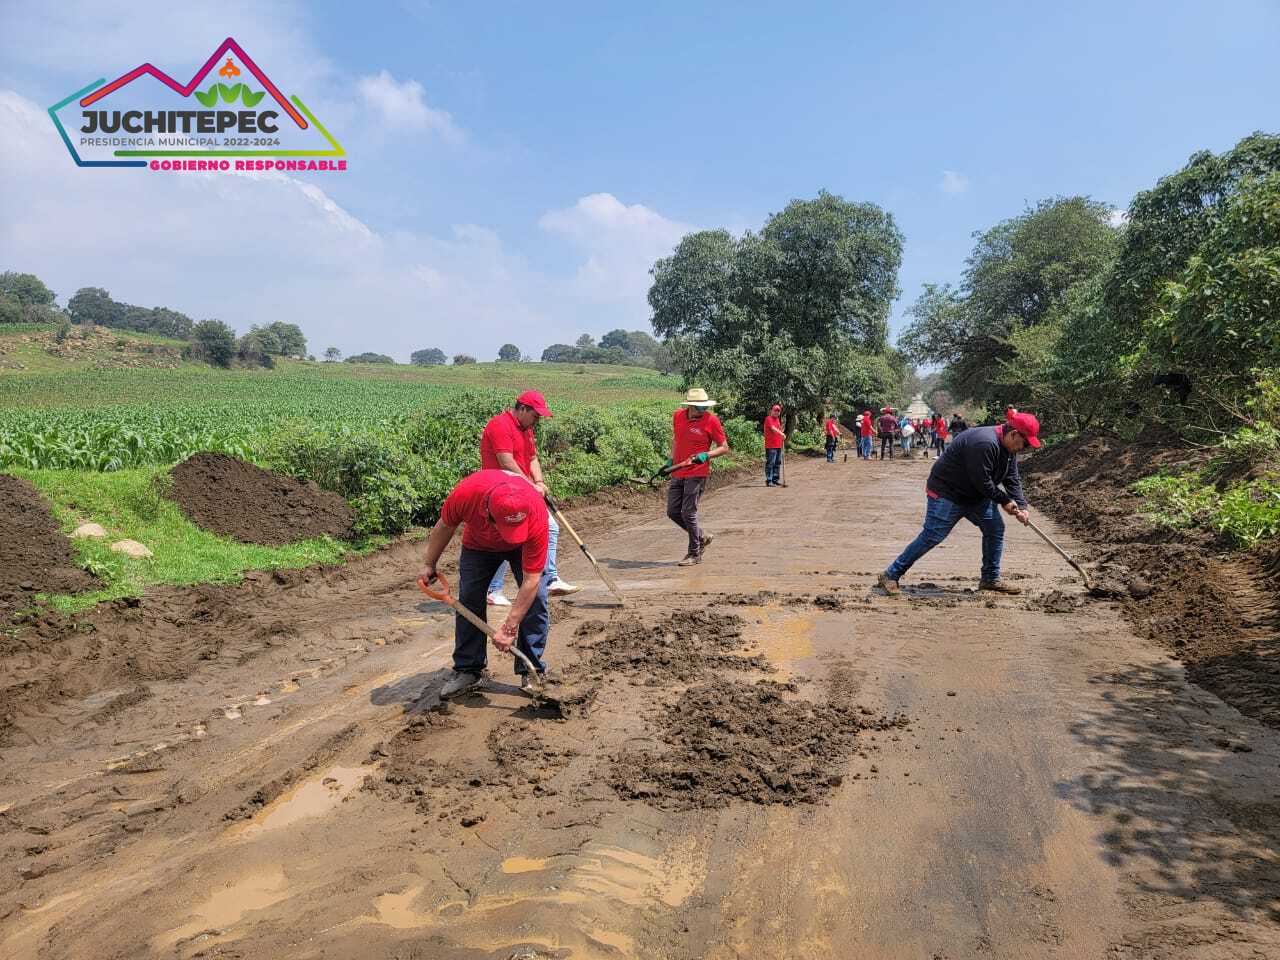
<point x="738" y="741"/>
<point x="35" y="557"/>
<point x="1214" y="608"/>
<point x="244" y="502"/>
<point x="521" y="764"/>
<point x="680" y="648"/>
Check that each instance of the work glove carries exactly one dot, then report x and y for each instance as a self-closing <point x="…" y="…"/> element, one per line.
<point x="701" y="458"/>
<point x="666" y="467"/>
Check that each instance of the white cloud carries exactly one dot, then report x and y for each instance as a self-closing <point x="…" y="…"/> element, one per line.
<point x="1118" y="218"/>
<point x="259" y="247"/>
<point x="953" y="182"/>
<point x="620" y="243"/>
<point x="403" y="106"/>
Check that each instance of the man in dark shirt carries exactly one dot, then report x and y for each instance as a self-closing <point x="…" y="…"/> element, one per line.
<point x="974" y="479"/>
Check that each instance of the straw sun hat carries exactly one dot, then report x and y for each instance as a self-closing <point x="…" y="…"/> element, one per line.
<point x="697" y="397"/>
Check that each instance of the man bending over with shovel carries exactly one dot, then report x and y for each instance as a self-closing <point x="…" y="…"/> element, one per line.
<point x="697" y="438"/>
<point x="966" y="482"/>
<point x="506" y="520"/>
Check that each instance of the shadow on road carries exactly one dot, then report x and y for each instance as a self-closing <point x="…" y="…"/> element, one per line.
<point x="1193" y="812"/>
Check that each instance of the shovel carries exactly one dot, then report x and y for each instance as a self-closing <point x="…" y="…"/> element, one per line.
<point x="1088" y="584"/>
<point x="442" y="594"/>
<point x="662" y="472"/>
<point x="608" y="580"/>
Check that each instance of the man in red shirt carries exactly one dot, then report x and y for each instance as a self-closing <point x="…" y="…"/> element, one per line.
<point x="939" y="434"/>
<point x="508" y="444"/>
<point x="697" y="438"/>
<point x="865" y="431"/>
<point x="833" y="437"/>
<point x="506" y="520"/>
<point x="888" y="426"/>
<point x="774" y="438"/>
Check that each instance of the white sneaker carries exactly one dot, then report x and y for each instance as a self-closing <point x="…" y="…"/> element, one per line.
<point x="498" y="600"/>
<point x="459" y="682"/>
<point x="558" y="588"/>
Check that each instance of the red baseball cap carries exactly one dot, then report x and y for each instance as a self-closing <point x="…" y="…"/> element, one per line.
<point x="776" y="408"/>
<point x="510" y="504"/>
<point x="534" y="400"/>
<point x="1027" y="425"/>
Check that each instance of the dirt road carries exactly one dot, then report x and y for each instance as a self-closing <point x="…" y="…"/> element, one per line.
<point x="946" y="775"/>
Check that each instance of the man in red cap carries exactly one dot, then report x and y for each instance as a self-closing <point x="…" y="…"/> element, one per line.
<point x="974" y="479"/>
<point x="508" y="444"/>
<point x="832" y="431"/>
<point x="888" y="427"/>
<point x="866" y="429"/>
<point x="506" y="521"/>
<point x="774" y="438"/>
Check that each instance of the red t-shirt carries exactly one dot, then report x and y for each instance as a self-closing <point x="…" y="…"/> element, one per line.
<point x="467" y="503"/>
<point x="503" y="434"/>
<point x="940" y="428"/>
<point x="864" y="425"/>
<point x="832" y="429"/>
<point x="771" y="440"/>
<point x="695" y="436"/>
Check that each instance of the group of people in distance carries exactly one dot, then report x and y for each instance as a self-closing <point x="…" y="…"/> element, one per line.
<point x="893" y="429"/>
<point x="504" y="511"/>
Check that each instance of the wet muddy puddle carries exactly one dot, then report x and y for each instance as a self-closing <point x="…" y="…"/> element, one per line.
<point x="311" y="798"/>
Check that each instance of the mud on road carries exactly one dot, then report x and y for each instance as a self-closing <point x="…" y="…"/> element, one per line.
<point x="776" y="761"/>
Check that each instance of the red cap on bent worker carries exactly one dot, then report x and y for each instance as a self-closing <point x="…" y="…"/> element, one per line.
<point x="1027" y="425"/>
<point x="534" y="400"/>
<point x="510" y="505"/>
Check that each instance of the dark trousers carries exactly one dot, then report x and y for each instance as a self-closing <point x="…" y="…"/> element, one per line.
<point x="831" y="449"/>
<point x="886" y="442"/>
<point x="683" y="495"/>
<point x="470" y="646"/>
<point x="772" y="465"/>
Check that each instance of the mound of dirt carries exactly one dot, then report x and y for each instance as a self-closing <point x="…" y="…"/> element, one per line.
<point x="678" y="649"/>
<point x="35" y="557"/>
<point x="738" y="741"/>
<point x="247" y="503"/>
<point x="520" y="764"/>
<point x="1213" y="608"/>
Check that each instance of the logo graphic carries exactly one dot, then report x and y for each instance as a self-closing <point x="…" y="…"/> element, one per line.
<point x="228" y="117"/>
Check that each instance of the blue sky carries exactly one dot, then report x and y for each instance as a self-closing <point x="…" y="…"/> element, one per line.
<point x="515" y="168"/>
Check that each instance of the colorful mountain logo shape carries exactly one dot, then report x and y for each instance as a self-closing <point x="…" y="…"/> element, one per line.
<point x="293" y="107"/>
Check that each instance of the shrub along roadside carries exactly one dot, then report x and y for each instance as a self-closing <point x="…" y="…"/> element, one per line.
<point x="1247" y="512"/>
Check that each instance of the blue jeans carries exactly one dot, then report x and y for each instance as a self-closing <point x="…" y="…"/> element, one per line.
<point x="553" y="537"/>
<point x="864" y="447"/>
<point x="831" y="451"/>
<point x="470" y="645"/>
<point x="773" y="465"/>
<point x="940" y="516"/>
<point x="906" y="444"/>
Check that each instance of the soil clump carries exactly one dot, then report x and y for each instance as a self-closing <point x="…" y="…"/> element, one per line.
<point x="1212" y="607"/>
<point x="35" y="556"/>
<point x="242" y="501"/>
<point x="737" y="741"/>
<point x="679" y="649"/>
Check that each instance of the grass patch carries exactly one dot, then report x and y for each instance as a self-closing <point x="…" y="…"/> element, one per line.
<point x="129" y="504"/>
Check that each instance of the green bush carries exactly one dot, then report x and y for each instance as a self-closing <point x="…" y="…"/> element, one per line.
<point x="1247" y="448"/>
<point x="744" y="439"/>
<point x="1174" y="500"/>
<point x="1249" y="512"/>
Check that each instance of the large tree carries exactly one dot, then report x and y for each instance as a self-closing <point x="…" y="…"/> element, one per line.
<point x="213" y="342"/>
<point x="94" y="305"/>
<point x="1018" y="276"/>
<point x="797" y="313"/>
<point x="426" y="358"/>
<point x="509" y="353"/>
<point x="26" y="289"/>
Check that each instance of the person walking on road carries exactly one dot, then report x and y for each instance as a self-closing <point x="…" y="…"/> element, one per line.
<point x="506" y="521"/>
<point x="939" y="434"/>
<point x="508" y="444"/>
<point x="906" y="431"/>
<point x="774" y="438"/>
<point x="866" y="429"/>
<point x="958" y="425"/>
<point x="888" y="426"/>
<point x="832" y="430"/>
<point x="974" y="479"/>
<point x="697" y="439"/>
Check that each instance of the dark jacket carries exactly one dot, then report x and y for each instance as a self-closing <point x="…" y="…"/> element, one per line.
<point x="975" y="462"/>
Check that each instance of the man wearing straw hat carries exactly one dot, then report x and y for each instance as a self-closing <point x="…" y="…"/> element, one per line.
<point x="697" y="439"/>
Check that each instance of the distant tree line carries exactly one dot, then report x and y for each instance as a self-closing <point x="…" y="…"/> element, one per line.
<point x="632" y="347"/>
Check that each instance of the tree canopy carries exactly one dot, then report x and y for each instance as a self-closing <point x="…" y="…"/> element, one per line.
<point x="509" y="353"/>
<point x="429" y="357"/>
<point x="368" y="358"/>
<point x="797" y="314"/>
